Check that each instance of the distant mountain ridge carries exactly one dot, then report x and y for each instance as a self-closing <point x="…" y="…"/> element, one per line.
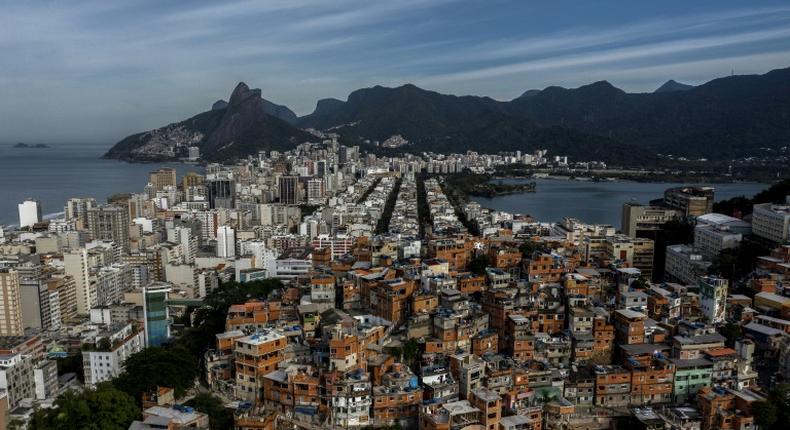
<point x="727" y="117"/>
<point x="673" y="85"/>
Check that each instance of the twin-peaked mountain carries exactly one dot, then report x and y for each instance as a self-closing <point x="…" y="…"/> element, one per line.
<point x="724" y="118"/>
<point x="243" y="125"/>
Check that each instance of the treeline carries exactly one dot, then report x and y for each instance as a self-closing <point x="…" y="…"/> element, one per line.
<point x="386" y="215"/>
<point x="423" y="211"/>
<point x="742" y="205"/>
<point x="471" y="184"/>
<point x="367" y="192"/>
<point x="457" y="199"/>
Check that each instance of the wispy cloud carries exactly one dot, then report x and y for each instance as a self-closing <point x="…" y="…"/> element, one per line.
<point x="649" y="50"/>
<point x="121" y="66"/>
<point x="579" y="38"/>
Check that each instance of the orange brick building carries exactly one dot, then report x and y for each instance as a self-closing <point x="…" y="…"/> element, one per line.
<point x="253" y="315"/>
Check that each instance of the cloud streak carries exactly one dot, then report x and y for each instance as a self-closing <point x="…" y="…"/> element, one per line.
<point x="98" y="70"/>
<point x="616" y="55"/>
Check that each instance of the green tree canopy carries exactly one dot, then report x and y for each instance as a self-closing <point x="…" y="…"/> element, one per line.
<point x="765" y="414"/>
<point x="102" y="408"/>
<point x="774" y="413"/>
<point x="210" y="319"/>
<point x="734" y="264"/>
<point x="741" y="206"/>
<point x="158" y="366"/>
<point x="220" y="417"/>
<point x="529" y="247"/>
<point x="478" y="265"/>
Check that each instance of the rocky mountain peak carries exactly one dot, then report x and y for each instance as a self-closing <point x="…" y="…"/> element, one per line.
<point x="241" y="93"/>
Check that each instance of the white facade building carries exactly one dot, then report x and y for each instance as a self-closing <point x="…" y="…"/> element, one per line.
<point x="684" y="264"/>
<point x="100" y="366"/>
<point x="76" y="266"/>
<point x="771" y="222"/>
<point x="29" y="213"/>
<point x="226" y="242"/>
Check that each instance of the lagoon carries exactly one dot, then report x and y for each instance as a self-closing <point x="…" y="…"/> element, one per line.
<point x="595" y="202"/>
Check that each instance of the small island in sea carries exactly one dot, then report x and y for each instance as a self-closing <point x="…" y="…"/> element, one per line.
<point x="26" y="145"/>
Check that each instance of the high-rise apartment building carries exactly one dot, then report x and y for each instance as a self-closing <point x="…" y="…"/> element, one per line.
<point x="76" y="265"/>
<point x="77" y="209"/>
<point x="690" y="201"/>
<point x="221" y="192"/>
<point x="316" y="189"/>
<point x="29" y="213"/>
<point x="164" y="177"/>
<point x="16" y="377"/>
<point x="111" y="282"/>
<point x="713" y="298"/>
<point x="11" y="300"/>
<point x="226" y="242"/>
<point x="638" y="218"/>
<point x="289" y="190"/>
<point x="191" y="179"/>
<point x="157" y="317"/>
<point x="110" y="223"/>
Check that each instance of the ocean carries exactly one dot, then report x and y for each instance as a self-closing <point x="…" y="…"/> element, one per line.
<point x="52" y="175"/>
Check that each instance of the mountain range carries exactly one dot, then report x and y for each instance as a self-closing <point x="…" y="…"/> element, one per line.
<point x="728" y="117"/>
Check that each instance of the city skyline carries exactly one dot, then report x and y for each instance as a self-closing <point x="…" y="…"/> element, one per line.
<point x="404" y="214"/>
<point x="117" y="68"/>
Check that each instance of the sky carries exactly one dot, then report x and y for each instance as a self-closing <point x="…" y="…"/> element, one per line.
<point x="97" y="70"/>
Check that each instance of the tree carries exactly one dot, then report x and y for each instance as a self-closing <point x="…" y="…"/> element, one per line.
<point x="638" y="284"/>
<point x="731" y="332"/>
<point x="741" y="206"/>
<point x="410" y="350"/>
<point x="734" y="264"/>
<point x="220" y="417"/>
<point x="104" y="344"/>
<point x="102" y="408"/>
<point x="774" y="412"/>
<point x="765" y="414"/>
<point x="478" y="265"/>
<point x="158" y="366"/>
<point x="71" y="363"/>
<point x="529" y="247"/>
<point x="210" y="319"/>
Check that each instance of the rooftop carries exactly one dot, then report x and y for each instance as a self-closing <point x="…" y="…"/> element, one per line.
<point x="485" y="394"/>
<point x="262" y="336"/>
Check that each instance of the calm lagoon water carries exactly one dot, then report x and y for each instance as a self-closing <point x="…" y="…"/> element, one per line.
<point x="595" y="202"/>
<point x="52" y="175"/>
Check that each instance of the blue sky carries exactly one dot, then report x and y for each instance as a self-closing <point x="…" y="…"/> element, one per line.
<point x="95" y="71"/>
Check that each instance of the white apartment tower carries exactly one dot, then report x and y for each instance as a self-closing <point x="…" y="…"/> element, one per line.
<point x="226" y="242"/>
<point x="29" y="213"/>
<point x="76" y="266"/>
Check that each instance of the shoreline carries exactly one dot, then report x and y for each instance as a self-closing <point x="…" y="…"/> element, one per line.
<point x="646" y="180"/>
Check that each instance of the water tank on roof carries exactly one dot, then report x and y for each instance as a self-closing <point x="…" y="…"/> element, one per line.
<point x="413" y="382"/>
